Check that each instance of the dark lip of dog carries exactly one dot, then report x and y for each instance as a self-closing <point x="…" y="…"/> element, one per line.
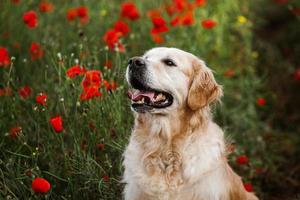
<point x="146" y="99"/>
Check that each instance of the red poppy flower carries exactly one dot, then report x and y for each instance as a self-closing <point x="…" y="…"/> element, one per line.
<point x="200" y="3"/>
<point x="108" y="64"/>
<point x="75" y="70"/>
<point x="15" y="131"/>
<point x="159" y="25"/>
<point x="105" y="178"/>
<point x="187" y="19"/>
<point x="106" y="84"/>
<point x="281" y="1"/>
<point x="158" y="22"/>
<point x="41" y="99"/>
<point x="208" y="23"/>
<point x="111" y="37"/>
<point x="71" y="14"/>
<point x="180" y="4"/>
<point x="46" y="7"/>
<point x="171" y="9"/>
<point x="175" y="21"/>
<point x="157" y="38"/>
<point x="100" y="146"/>
<point x="129" y="11"/>
<point x="89" y="93"/>
<point x="229" y="73"/>
<point x="40" y="185"/>
<point x="91" y="85"/>
<point x="16" y="45"/>
<point x="57" y="124"/>
<point x="82" y="13"/>
<point x="4" y="57"/>
<point x="259" y="170"/>
<point x="260" y="101"/>
<point x="36" y="51"/>
<point x="25" y="92"/>
<point x="242" y="160"/>
<point x="92" y="78"/>
<point x="16" y="1"/>
<point x="248" y="187"/>
<point x="297" y="75"/>
<point x="112" y="85"/>
<point x="30" y="19"/>
<point x="92" y="126"/>
<point x="154" y="13"/>
<point x="121" y="27"/>
<point x="7" y="91"/>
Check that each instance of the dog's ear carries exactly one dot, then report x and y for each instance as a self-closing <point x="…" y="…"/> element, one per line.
<point x="204" y="89"/>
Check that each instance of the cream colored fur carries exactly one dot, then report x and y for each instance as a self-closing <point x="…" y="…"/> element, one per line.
<point x="179" y="153"/>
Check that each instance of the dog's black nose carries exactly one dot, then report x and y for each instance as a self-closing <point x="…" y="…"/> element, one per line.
<point x="136" y="62"/>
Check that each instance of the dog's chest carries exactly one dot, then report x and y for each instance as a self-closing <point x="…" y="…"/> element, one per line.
<point x="165" y="165"/>
<point x="172" y="171"/>
<point x="158" y="172"/>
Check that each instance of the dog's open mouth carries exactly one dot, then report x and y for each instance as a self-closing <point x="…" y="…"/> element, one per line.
<point x="149" y="99"/>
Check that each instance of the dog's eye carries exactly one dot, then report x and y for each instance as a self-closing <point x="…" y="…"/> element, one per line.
<point x="169" y="62"/>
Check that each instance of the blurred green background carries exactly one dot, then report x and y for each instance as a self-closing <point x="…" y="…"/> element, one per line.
<point x="253" y="47"/>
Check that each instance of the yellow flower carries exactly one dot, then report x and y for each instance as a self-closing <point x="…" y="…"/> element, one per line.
<point x="242" y="19"/>
<point x="103" y="12"/>
<point x="254" y="54"/>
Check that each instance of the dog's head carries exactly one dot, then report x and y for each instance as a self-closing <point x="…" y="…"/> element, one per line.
<point x="166" y="79"/>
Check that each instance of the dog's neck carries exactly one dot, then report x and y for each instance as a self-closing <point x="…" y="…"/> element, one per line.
<point x="169" y="126"/>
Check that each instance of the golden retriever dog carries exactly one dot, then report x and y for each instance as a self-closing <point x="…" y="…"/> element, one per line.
<point x="176" y="151"/>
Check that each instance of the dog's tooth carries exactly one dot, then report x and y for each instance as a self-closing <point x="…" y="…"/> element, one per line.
<point x="159" y="96"/>
<point x="141" y="101"/>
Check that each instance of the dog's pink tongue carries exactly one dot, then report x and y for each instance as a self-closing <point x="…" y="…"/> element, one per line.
<point x="138" y="95"/>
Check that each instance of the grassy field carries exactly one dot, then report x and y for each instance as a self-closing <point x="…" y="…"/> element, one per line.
<point x="64" y="112"/>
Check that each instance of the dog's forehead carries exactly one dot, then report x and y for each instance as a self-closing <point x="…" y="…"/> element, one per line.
<point x="164" y="52"/>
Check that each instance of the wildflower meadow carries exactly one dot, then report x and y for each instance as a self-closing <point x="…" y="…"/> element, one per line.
<point x="65" y="118"/>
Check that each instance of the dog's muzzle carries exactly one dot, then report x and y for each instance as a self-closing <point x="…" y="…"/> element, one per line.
<point x="137" y="72"/>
